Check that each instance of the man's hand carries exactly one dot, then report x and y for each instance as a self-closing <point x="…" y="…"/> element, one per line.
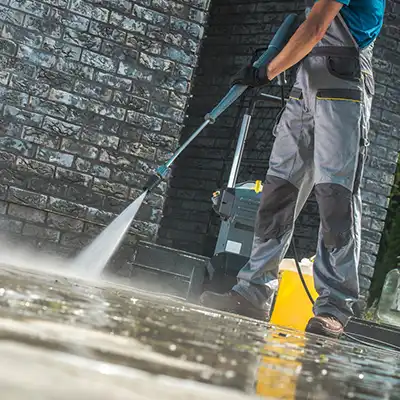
<point x="306" y="37"/>
<point x="251" y="76"/>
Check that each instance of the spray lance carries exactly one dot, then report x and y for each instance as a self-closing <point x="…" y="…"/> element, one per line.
<point x="279" y="40"/>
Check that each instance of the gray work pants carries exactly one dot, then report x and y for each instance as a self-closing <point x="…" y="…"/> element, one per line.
<point x="321" y="140"/>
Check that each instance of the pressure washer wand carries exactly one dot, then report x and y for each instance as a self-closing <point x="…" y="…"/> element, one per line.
<point x="277" y="43"/>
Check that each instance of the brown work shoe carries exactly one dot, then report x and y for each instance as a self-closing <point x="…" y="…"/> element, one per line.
<point x="232" y="302"/>
<point x="325" y="325"/>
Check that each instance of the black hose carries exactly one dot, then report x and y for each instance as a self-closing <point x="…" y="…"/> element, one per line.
<point x="354" y="336"/>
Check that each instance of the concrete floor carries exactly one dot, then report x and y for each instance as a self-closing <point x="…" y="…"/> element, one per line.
<point x="64" y="337"/>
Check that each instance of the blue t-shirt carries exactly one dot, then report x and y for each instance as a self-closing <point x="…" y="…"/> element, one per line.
<point x="364" y="19"/>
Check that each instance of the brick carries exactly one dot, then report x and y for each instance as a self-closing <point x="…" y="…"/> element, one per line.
<point x="124" y="6"/>
<point x="100" y="216"/>
<point x="9" y="225"/>
<point x="131" y="70"/>
<point x="48" y="26"/>
<point x="144" y="121"/>
<point x="99" y="61"/>
<point x="55" y="157"/>
<point x="107" y="32"/>
<point x="128" y="24"/>
<point x="89" y="10"/>
<point x="115" y="159"/>
<point x="37" y="136"/>
<point x="68" y="208"/>
<point x="6" y="159"/>
<point x="100" y="171"/>
<point x="75" y="21"/>
<point x="179" y="56"/>
<point x="159" y="141"/>
<point x="130" y="102"/>
<point x="113" y="81"/>
<point x="37" y="57"/>
<point x="179" y="84"/>
<point x="76" y="69"/>
<point x="26" y="213"/>
<point x="141" y="43"/>
<point x="9" y="15"/>
<point x="178" y="100"/>
<point x="82" y="39"/>
<point x="73" y="177"/>
<point x="31" y="7"/>
<point x="106" y="110"/>
<point x="138" y="150"/>
<point x="79" y="148"/>
<point x="150" y="16"/>
<point x="74" y="240"/>
<point x="82" y="165"/>
<point x="186" y="27"/>
<point x="16" y="195"/>
<point x="101" y="140"/>
<point x="34" y="167"/>
<point x="167" y="112"/>
<point x="57" y="3"/>
<point x="69" y="99"/>
<point x="22" y="116"/>
<point x="115" y="189"/>
<point x="156" y="63"/>
<point x="91" y="121"/>
<point x="26" y="85"/>
<point x="3" y="207"/>
<point x="64" y="223"/>
<point x="41" y="232"/>
<point x="94" y="91"/>
<point x="56" y="80"/>
<point x="8" y="47"/>
<point x="60" y="49"/>
<point x="85" y="196"/>
<point x="17" y="146"/>
<point x="159" y="33"/>
<point x="48" y="107"/>
<point x="57" y="127"/>
<point x="14" y="98"/>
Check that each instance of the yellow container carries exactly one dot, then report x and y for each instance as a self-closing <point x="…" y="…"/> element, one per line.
<point x="292" y="307"/>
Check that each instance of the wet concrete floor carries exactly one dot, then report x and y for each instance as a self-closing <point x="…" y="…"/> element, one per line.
<point x="66" y="338"/>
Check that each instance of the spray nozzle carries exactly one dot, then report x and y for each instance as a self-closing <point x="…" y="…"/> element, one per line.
<point x="155" y="179"/>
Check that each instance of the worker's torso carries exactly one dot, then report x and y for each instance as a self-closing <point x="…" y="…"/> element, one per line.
<point x="336" y="62"/>
<point x="364" y="19"/>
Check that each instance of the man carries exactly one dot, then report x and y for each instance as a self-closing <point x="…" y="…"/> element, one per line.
<point x="321" y="141"/>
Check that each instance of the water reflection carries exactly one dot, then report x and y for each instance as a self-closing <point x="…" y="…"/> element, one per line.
<point x="112" y="331"/>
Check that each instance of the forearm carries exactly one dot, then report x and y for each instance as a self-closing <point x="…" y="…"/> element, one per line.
<point x="301" y="44"/>
<point x="306" y="37"/>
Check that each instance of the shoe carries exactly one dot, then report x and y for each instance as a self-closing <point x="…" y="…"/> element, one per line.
<point x="325" y="325"/>
<point x="234" y="303"/>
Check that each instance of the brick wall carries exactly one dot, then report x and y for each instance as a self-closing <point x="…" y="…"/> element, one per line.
<point x="92" y="97"/>
<point x="236" y="29"/>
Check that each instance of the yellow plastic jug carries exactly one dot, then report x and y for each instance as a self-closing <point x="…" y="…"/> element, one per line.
<point x="292" y="307"/>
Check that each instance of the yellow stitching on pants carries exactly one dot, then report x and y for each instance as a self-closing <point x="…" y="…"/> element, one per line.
<point x="338" y="98"/>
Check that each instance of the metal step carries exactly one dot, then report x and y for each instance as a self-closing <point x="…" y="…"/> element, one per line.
<point x="170" y="271"/>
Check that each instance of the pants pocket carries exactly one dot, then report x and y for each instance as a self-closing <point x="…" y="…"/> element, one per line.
<point x="346" y="68"/>
<point x="296" y="96"/>
<point x="338" y="125"/>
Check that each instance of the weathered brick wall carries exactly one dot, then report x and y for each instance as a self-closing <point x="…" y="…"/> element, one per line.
<point x="237" y="28"/>
<point x="92" y="97"/>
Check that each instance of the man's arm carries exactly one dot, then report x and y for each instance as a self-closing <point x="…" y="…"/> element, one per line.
<point x="310" y="32"/>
